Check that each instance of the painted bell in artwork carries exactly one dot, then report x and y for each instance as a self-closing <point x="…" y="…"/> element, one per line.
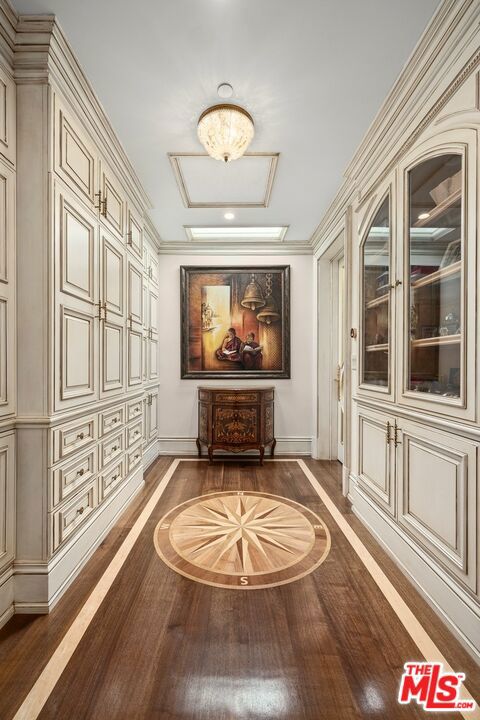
<point x="268" y="314"/>
<point x="253" y="295"/>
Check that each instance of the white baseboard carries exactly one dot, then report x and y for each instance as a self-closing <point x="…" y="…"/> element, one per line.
<point x="150" y="454"/>
<point x="456" y="607"/>
<point x="187" y="446"/>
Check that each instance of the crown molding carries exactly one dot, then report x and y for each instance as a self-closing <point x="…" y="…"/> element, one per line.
<point x="435" y="70"/>
<point x="44" y="56"/>
<point x="235" y="248"/>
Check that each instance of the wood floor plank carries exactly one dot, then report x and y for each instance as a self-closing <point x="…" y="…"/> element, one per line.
<point x="325" y="647"/>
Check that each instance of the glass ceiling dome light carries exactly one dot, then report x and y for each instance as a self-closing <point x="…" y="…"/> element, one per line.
<point x="225" y="131"/>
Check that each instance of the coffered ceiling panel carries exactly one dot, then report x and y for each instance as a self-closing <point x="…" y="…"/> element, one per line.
<point x="312" y="73"/>
<point x="207" y="183"/>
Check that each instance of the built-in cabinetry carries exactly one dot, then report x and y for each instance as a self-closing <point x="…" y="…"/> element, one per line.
<point x="415" y="428"/>
<point x="8" y="165"/>
<point x="88" y="332"/>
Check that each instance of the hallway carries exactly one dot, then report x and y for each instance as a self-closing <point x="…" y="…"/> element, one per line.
<point x="328" y="645"/>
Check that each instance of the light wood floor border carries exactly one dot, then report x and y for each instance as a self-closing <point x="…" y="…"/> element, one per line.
<point x="45" y="683"/>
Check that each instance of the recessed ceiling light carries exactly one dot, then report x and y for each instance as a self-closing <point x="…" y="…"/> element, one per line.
<point x="225" y="90"/>
<point x="229" y="216"/>
<point x="423" y="216"/>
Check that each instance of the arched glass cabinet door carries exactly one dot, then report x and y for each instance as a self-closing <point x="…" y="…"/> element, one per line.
<point x="436" y="257"/>
<point x="376" y="282"/>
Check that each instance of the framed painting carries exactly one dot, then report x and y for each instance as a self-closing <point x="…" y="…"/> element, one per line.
<point x="235" y="322"/>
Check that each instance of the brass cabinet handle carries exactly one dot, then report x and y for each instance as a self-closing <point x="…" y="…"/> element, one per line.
<point x="395" y="436"/>
<point x="103" y="204"/>
<point x="80" y="472"/>
<point x="395" y="284"/>
<point x="80" y="510"/>
<point x="102" y="306"/>
<point x="129" y="238"/>
<point x="114" y="477"/>
<point x="80" y="436"/>
<point x="98" y="195"/>
<point x="388" y="433"/>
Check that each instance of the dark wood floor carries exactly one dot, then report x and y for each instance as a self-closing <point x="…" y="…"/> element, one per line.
<point x="327" y="646"/>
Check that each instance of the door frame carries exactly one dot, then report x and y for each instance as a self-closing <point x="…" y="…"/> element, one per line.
<point x="335" y="245"/>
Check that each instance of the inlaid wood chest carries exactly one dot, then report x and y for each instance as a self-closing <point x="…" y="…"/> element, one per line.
<point x="236" y="419"/>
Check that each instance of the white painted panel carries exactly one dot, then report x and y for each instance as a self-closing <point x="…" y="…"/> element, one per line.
<point x="3" y="351"/>
<point x="77" y="248"/>
<point x="112" y="360"/>
<point x="135" y="293"/>
<point x="112" y="276"/>
<point x="216" y="182"/>
<point x="4" y="210"/>
<point x="77" y="347"/>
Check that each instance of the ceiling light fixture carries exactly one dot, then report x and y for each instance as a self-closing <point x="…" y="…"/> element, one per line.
<point x="225" y="131"/>
<point x="229" y="216"/>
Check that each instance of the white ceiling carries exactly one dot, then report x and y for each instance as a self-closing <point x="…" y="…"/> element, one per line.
<point x="313" y="73"/>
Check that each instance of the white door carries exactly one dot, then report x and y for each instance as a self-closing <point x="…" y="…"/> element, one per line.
<point x="340" y="357"/>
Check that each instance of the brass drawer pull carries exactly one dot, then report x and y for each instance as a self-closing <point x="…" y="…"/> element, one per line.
<point x="80" y="472"/>
<point x="388" y="433"/>
<point x="80" y="436"/>
<point x="80" y="510"/>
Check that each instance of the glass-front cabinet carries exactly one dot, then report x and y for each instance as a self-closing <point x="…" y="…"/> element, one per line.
<point x="435" y="273"/>
<point x="376" y="282"/>
<point x="417" y="280"/>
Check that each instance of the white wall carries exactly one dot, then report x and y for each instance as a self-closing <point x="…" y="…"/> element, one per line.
<point x="294" y="402"/>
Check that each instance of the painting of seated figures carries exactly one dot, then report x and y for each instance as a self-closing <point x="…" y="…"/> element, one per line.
<point x="235" y="322"/>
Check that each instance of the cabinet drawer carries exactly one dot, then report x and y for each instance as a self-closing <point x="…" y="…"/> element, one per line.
<point x="246" y="397"/>
<point x="111" y="478"/>
<point x="134" y="458"/>
<point x="134" y="433"/>
<point x="111" y="448"/>
<point x="66" y="520"/>
<point x="111" y="419"/>
<point x="235" y="425"/>
<point x="134" y="409"/>
<point x="73" y="436"/>
<point x="67" y="479"/>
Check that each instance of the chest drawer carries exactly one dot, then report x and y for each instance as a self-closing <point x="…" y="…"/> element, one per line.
<point x="67" y="519"/>
<point x="236" y="425"/>
<point x="72" y="475"/>
<point x="110" y="479"/>
<point x="247" y="397"/>
<point x="134" y="409"/>
<point x="134" y="458"/>
<point x="134" y="433"/>
<point x="73" y="436"/>
<point x="112" y="419"/>
<point x="111" y="448"/>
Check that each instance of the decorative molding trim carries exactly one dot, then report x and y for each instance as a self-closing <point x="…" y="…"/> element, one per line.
<point x="235" y="248"/>
<point x="175" y="162"/>
<point x="453" y="604"/>
<point x="187" y="446"/>
<point x="151" y="231"/>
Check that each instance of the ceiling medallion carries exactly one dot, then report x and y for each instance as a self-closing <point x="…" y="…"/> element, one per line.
<point x="225" y="131"/>
<point x="242" y="540"/>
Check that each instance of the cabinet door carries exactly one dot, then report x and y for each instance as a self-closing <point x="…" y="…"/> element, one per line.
<point x="236" y="425"/>
<point x="113" y="204"/>
<point x="153" y="272"/>
<point x="376" y="457"/>
<point x="376" y="315"/>
<point x="152" y="412"/>
<point x="152" y="359"/>
<point x="112" y="357"/>
<point x="135" y="292"/>
<point x="439" y="265"/>
<point x="7" y="290"/>
<point x="76" y="307"/>
<point x="134" y="233"/>
<point x="134" y="357"/>
<point x="7" y="499"/>
<point x="112" y="275"/>
<point x="8" y="96"/>
<point x="437" y="496"/>
<point x="153" y="311"/>
<point x="75" y="157"/>
<point x="145" y="356"/>
<point x="146" y="307"/>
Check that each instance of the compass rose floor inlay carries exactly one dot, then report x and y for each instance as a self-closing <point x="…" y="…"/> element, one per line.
<point x="243" y="540"/>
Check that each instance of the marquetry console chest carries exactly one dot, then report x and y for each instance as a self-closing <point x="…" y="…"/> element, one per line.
<point x="235" y="419"/>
